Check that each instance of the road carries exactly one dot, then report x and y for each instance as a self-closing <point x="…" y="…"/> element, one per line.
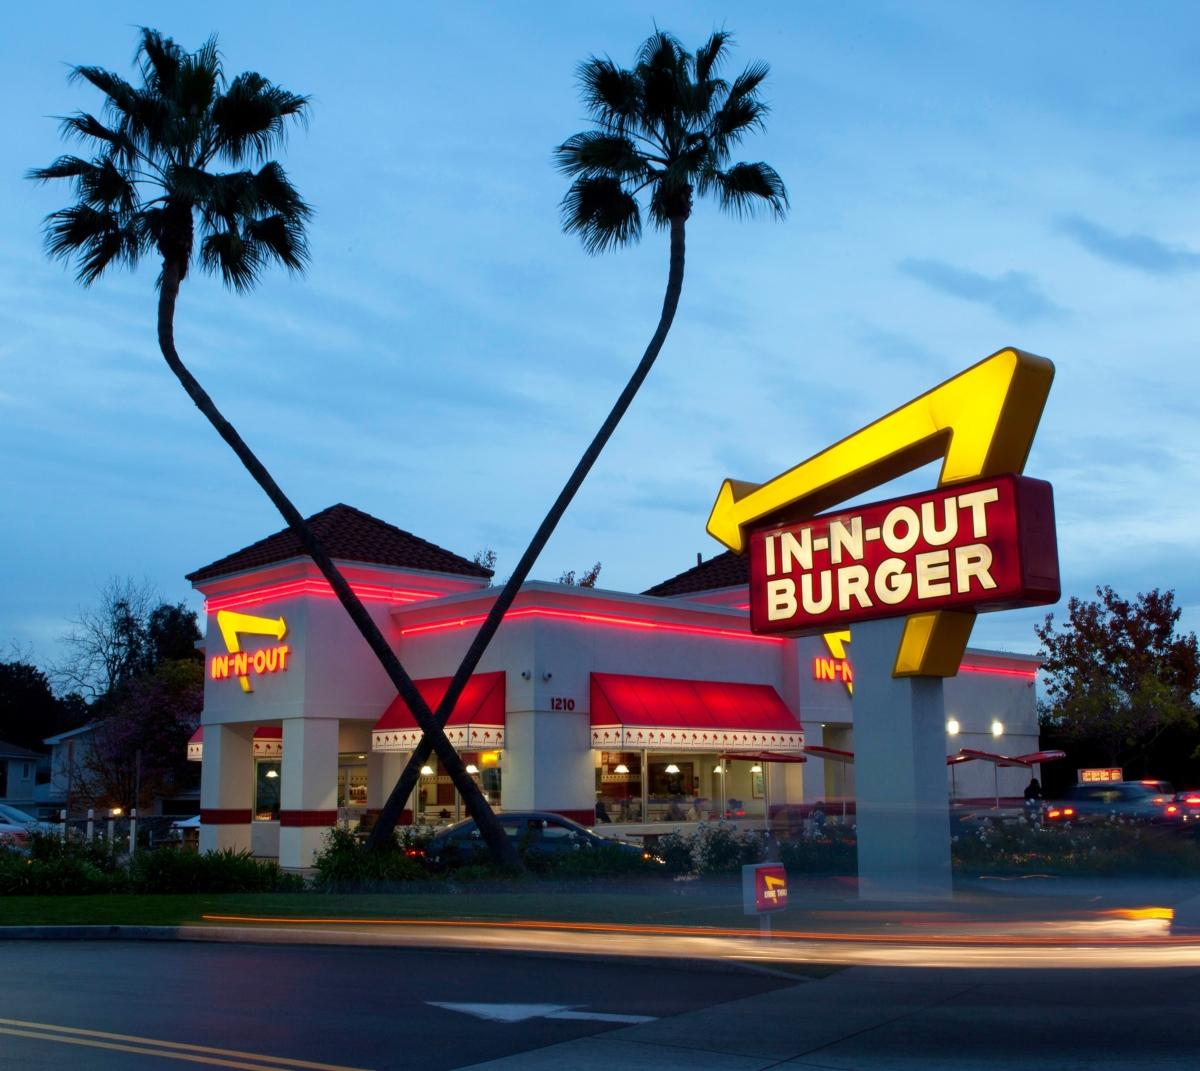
<point x="171" y="1005"/>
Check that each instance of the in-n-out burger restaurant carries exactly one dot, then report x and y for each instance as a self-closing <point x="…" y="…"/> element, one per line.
<point x="642" y="709"/>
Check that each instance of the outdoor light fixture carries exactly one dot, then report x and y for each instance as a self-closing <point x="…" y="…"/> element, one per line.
<point x="997" y="728"/>
<point x="472" y="768"/>
<point x="426" y="771"/>
<point x="115" y="812"/>
<point x="272" y="773"/>
<point x="620" y="768"/>
<point x="952" y="727"/>
<point x="718" y="768"/>
<point x="672" y="769"/>
<point x="756" y="768"/>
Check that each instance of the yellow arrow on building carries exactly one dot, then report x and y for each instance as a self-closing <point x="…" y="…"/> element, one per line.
<point x="981" y="422"/>
<point x="233" y="624"/>
<point x="836" y="642"/>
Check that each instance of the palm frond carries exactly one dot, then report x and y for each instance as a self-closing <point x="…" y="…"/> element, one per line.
<point x="199" y="79"/>
<point x="238" y="262"/>
<point x="81" y="125"/>
<point x="746" y="189"/>
<point x="273" y="192"/>
<point x="611" y="95"/>
<point x="711" y="54"/>
<point x="249" y="117"/>
<point x="160" y="60"/>
<point x="113" y="86"/>
<point x="602" y="213"/>
<point x="596" y="152"/>
<point x="94" y="238"/>
<point x="281" y="238"/>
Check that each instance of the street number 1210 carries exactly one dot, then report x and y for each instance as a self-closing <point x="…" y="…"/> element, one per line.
<point x="560" y="702"/>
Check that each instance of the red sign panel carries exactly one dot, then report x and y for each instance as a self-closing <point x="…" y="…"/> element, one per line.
<point x="764" y="888"/>
<point x="985" y="545"/>
<point x="1100" y="775"/>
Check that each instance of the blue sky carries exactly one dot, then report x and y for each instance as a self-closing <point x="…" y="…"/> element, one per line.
<point x="962" y="177"/>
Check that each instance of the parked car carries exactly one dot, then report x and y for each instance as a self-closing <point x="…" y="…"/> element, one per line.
<point x="1141" y="801"/>
<point x="541" y="834"/>
<point x="14" y="816"/>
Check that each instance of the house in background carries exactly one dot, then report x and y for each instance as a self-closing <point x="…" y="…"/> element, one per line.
<point x="18" y="774"/>
<point x="68" y="763"/>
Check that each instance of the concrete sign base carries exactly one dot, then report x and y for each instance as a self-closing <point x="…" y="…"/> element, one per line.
<point x="900" y="773"/>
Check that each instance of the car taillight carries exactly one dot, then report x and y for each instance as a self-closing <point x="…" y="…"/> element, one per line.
<point x="1191" y="799"/>
<point x="1172" y="809"/>
<point x="1054" y="812"/>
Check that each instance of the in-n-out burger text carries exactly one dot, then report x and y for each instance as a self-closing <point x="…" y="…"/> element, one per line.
<point x="243" y="663"/>
<point x="986" y="545"/>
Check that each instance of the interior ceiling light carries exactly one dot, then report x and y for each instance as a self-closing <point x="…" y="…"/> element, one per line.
<point x="620" y="768"/>
<point x="672" y="769"/>
<point x="472" y="768"/>
<point x="426" y="771"/>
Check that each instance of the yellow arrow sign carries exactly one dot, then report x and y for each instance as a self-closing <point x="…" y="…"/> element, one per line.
<point x="232" y="624"/>
<point x="773" y="883"/>
<point x="981" y="422"/>
<point x="836" y="642"/>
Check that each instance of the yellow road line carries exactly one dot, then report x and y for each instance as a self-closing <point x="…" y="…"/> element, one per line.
<point x="174" y="1050"/>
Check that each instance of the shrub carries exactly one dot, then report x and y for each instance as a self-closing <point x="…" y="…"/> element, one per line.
<point x="344" y="865"/>
<point x="66" y="875"/>
<point x="820" y="855"/>
<point x="592" y="862"/>
<point x="170" y="870"/>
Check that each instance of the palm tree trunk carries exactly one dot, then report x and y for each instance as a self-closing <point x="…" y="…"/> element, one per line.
<point x="502" y="849"/>
<point x="386" y="823"/>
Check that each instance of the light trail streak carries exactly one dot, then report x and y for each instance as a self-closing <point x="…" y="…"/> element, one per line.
<point x="1116" y="942"/>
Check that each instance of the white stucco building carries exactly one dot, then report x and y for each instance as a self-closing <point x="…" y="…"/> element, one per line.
<point x="639" y="709"/>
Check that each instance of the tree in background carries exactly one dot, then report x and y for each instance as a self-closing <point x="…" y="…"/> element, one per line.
<point x="136" y="657"/>
<point x="29" y="709"/>
<point x="587" y="579"/>
<point x="664" y="130"/>
<point x="1122" y="682"/>
<point x="151" y="183"/>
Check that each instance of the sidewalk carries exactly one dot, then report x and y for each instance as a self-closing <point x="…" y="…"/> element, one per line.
<point x="903" y="1019"/>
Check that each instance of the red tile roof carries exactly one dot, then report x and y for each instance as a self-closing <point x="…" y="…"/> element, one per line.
<point x="726" y="570"/>
<point x="348" y="534"/>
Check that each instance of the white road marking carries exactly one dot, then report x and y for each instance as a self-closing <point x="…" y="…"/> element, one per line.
<point x="518" y="1013"/>
<point x="601" y="1017"/>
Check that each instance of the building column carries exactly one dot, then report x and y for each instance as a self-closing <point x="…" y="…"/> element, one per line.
<point x="226" y="788"/>
<point x="308" y="795"/>
<point x="903" y="813"/>
<point x="549" y="764"/>
<point x="383" y="771"/>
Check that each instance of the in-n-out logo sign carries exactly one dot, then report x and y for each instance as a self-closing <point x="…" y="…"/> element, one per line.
<point x="980" y="546"/>
<point x="241" y="664"/>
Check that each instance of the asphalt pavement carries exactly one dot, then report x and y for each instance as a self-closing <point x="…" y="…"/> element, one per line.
<point x="124" y="1006"/>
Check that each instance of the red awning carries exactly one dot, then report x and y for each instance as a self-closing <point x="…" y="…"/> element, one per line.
<point x="477" y="720"/>
<point x="966" y="754"/>
<point x="834" y="754"/>
<point x="1035" y="757"/>
<point x="666" y="714"/>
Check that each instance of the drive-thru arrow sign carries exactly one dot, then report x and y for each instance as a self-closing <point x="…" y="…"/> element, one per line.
<point x="233" y="625"/>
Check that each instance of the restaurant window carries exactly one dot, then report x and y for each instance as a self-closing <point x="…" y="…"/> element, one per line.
<point x="266" y="790"/>
<point x="619" y="786"/>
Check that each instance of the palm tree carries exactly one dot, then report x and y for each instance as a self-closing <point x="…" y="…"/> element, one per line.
<point x="663" y="130"/>
<point x="148" y="187"/>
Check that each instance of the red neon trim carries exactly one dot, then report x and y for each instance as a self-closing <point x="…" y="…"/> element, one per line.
<point x="599" y="619"/>
<point x="996" y="671"/>
<point x="318" y="588"/>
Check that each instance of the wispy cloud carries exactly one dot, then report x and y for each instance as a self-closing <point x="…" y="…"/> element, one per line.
<point x="1015" y="295"/>
<point x="1138" y="251"/>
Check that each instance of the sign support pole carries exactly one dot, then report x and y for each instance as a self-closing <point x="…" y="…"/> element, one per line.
<point x="903" y="814"/>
